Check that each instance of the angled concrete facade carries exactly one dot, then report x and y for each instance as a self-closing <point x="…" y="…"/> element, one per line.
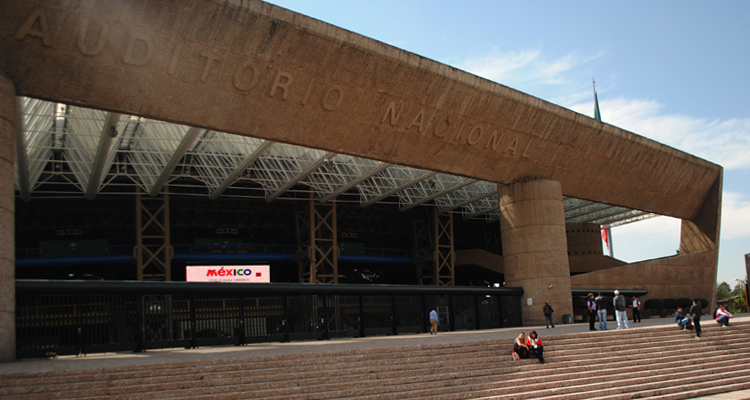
<point x="254" y="69"/>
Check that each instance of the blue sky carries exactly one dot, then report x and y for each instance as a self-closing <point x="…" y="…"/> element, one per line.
<point x="675" y="72"/>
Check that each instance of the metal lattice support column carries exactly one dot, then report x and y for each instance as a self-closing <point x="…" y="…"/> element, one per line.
<point x="153" y="252"/>
<point x="445" y="256"/>
<point x="424" y="259"/>
<point x="318" y="259"/>
<point x="435" y="257"/>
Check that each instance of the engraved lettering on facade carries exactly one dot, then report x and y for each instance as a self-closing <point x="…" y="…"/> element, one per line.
<point x="307" y="92"/>
<point x="143" y="55"/>
<point x="283" y="81"/>
<point x="391" y="110"/>
<point x="240" y="78"/>
<point x="333" y="105"/>
<point x="458" y="131"/>
<point x="525" y="153"/>
<point x="440" y="132"/>
<point x="83" y="31"/>
<point x="494" y="139"/>
<point x="417" y="121"/>
<point x="512" y="146"/>
<point x="28" y="28"/>
<point x="475" y="134"/>
<point x="175" y="58"/>
<point x="210" y="58"/>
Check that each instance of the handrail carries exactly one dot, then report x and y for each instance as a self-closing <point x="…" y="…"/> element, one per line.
<point x="50" y="286"/>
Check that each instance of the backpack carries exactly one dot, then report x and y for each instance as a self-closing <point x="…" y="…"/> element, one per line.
<point x="547" y="309"/>
<point x="620" y="303"/>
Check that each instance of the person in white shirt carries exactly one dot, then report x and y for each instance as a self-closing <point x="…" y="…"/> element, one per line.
<point x="722" y="316"/>
<point x="636" y="310"/>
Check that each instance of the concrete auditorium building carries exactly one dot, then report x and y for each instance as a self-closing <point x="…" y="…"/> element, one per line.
<point x="149" y="124"/>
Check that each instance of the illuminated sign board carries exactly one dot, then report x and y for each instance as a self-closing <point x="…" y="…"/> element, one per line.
<point x="229" y="273"/>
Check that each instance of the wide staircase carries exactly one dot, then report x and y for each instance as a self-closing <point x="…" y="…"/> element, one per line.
<point x="657" y="362"/>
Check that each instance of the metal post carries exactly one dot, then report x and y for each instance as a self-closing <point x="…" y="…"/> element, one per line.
<point x="287" y="337"/>
<point x="452" y="313"/>
<point x="326" y="334"/>
<point x="140" y="344"/>
<point x="242" y="319"/>
<point x="393" y="315"/>
<point x="361" y="316"/>
<point x="426" y="313"/>
<point x="477" y="305"/>
<point x="79" y="322"/>
<point x="193" y="322"/>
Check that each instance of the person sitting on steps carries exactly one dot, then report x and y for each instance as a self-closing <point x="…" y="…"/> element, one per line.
<point x="536" y="348"/>
<point x="682" y="321"/>
<point x="722" y="316"/>
<point x="520" y="346"/>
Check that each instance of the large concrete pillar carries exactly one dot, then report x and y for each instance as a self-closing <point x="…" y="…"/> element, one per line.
<point x="7" y="221"/>
<point x="535" y="251"/>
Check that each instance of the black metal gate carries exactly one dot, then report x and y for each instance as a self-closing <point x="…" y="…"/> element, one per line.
<point x="82" y="317"/>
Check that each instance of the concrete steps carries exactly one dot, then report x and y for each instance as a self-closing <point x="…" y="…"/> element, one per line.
<point x="657" y="362"/>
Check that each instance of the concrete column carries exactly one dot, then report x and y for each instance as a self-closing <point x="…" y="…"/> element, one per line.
<point x="535" y="251"/>
<point x="7" y="221"/>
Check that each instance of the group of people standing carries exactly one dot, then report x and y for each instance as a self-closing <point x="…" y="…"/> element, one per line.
<point x="597" y="307"/>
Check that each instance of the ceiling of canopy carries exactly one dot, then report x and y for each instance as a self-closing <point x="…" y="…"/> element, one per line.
<point x="68" y="151"/>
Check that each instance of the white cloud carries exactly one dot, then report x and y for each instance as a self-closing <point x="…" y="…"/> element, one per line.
<point x="531" y="72"/>
<point x="726" y="143"/>
<point x="735" y="217"/>
<point x="648" y="239"/>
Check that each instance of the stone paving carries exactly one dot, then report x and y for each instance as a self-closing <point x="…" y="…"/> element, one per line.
<point x="302" y="347"/>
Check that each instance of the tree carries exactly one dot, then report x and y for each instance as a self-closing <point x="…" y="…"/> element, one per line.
<point x="723" y="291"/>
<point x="739" y="289"/>
<point x="740" y="304"/>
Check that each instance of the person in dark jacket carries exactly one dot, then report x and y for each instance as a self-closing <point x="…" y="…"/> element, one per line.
<point x="520" y="346"/>
<point x="620" y="315"/>
<point x="547" y="309"/>
<point x="696" y="311"/>
<point x="591" y="305"/>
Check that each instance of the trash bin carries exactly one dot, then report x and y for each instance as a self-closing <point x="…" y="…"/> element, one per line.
<point x="567" y="319"/>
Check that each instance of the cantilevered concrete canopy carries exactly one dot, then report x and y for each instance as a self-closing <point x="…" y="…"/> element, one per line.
<point x="258" y="70"/>
<point x="278" y="78"/>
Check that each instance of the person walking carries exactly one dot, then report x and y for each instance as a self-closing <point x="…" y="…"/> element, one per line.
<point x="695" y="312"/>
<point x="433" y="322"/>
<point x="591" y="305"/>
<point x="636" y="309"/>
<point x="620" y="315"/>
<point x="601" y="310"/>
<point x="547" y="309"/>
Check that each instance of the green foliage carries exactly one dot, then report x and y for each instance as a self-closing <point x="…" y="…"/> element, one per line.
<point x="685" y="302"/>
<point x="671" y="304"/>
<point x="723" y="291"/>
<point x="654" y="304"/>
<point x="704" y="304"/>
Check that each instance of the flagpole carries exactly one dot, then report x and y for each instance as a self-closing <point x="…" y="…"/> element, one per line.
<point x="607" y="229"/>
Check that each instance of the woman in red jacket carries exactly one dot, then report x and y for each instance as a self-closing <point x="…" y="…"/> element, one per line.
<point x="536" y="348"/>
